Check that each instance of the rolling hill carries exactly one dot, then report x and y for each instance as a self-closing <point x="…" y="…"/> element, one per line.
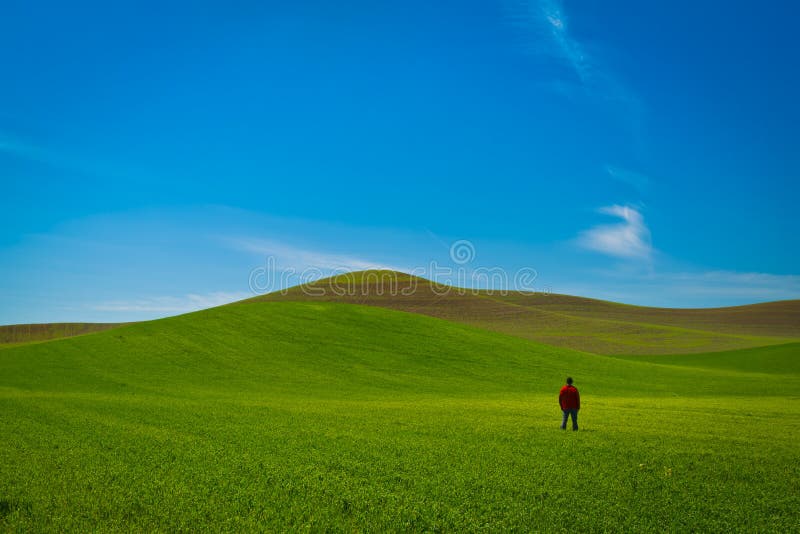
<point x="329" y="416"/>
<point x="567" y="321"/>
<point x="561" y="320"/>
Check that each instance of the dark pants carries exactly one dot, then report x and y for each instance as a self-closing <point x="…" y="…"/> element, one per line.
<point x="567" y="413"/>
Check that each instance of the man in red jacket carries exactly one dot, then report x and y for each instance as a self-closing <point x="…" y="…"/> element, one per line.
<point x="570" y="401"/>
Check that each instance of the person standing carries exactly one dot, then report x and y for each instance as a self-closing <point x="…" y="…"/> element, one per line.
<point x="570" y="401"/>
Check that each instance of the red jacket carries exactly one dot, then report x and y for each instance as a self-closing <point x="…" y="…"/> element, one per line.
<point x="569" y="398"/>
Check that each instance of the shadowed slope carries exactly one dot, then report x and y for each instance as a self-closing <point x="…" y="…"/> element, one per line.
<point x="574" y="322"/>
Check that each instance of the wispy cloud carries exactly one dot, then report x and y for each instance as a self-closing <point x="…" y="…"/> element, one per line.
<point x="629" y="239"/>
<point x="544" y="26"/>
<point x="172" y="304"/>
<point x="683" y="288"/>
<point x="637" y="180"/>
<point x="567" y="47"/>
<point x="291" y="257"/>
<point x="90" y="165"/>
<point x="736" y="284"/>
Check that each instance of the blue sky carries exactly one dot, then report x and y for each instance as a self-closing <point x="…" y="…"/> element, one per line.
<point x="152" y="156"/>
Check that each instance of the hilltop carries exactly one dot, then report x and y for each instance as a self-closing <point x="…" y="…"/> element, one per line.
<point x="562" y="320"/>
<point x="578" y="323"/>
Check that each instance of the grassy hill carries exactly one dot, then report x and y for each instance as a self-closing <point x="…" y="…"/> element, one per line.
<point x="331" y="416"/>
<point x="561" y="320"/>
<point x="774" y="359"/>
<point x="16" y="334"/>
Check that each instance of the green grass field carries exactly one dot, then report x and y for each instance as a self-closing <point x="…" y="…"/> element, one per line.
<point x="329" y="416"/>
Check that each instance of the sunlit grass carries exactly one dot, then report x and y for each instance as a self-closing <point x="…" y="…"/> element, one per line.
<point x="337" y="417"/>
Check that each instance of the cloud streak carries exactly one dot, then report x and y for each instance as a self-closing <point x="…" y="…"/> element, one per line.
<point x="544" y="24"/>
<point x="567" y="47"/>
<point x="735" y="284"/>
<point x="710" y="288"/>
<point x="629" y="239"/>
<point x="640" y="182"/>
<point x="300" y="259"/>
<point x="172" y="304"/>
<point x="547" y="22"/>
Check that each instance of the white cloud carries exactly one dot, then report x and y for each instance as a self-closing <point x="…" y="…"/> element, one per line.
<point x="629" y="239"/>
<point x="172" y="304"/>
<point x="299" y="259"/>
